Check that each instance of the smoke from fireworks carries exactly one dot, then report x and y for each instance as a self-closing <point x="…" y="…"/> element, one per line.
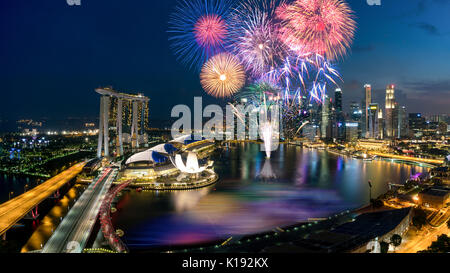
<point x="255" y="38"/>
<point x="222" y="75"/>
<point x="324" y="27"/>
<point x="198" y="30"/>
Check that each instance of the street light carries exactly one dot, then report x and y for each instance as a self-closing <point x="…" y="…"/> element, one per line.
<point x="25" y="188"/>
<point x="10" y="193"/>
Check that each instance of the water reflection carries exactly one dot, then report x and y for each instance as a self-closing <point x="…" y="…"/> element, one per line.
<point x="15" y="186"/>
<point x="267" y="172"/>
<point x="303" y="184"/>
<point x="51" y="221"/>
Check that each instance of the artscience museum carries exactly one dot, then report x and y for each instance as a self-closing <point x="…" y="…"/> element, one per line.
<point x="166" y="165"/>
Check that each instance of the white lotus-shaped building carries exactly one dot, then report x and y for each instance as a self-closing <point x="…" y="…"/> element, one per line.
<point x="191" y="166"/>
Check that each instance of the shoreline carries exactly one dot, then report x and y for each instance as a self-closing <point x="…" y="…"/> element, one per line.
<point x="309" y="224"/>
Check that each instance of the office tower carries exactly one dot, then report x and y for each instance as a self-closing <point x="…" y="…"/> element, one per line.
<point x="395" y="117"/>
<point x="373" y="121"/>
<point x="416" y="123"/>
<point x="325" y="117"/>
<point x="391" y="113"/>
<point x="340" y="118"/>
<point x="380" y="124"/>
<point x="310" y="132"/>
<point x="402" y="123"/>
<point x="338" y="100"/>
<point x="356" y="115"/>
<point x="366" y="103"/>
<point x="351" y="131"/>
<point x="355" y="111"/>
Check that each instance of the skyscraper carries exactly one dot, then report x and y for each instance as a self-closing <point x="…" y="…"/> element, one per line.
<point x="325" y="117"/>
<point x="391" y="120"/>
<point x="416" y="124"/>
<point x="373" y="130"/>
<point x="355" y="111"/>
<point x="340" y="118"/>
<point x="366" y="103"/>
<point x="338" y="100"/>
<point x="402" y="123"/>
<point x="380" y="124"/>
<point x="356" y="115"/>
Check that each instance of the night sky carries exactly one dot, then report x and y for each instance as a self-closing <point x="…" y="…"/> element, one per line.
<point x="54" y="55"/>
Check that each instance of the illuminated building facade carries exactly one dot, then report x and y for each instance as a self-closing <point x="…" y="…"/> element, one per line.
<point x="340" y="118"/>
<point x="356" y="115"/>
<point x="111" y="112"/>
<point x="391" y="112"/>
<point x="380" y="124"/>
<point x="351" y="131"/>
<point x="366" y="103"/>
<point x="402" y="122"/>
<point x="416" y="124"/>
<point x="373" y="128"/>
<point x="324" y="130"/>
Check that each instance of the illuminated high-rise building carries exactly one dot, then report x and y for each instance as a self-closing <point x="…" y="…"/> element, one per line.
<point x="356" y="115"/>
<point x="111" y="111"/>
<point x="402" y="123"/>
<point x="391" y="112"/>
<point x="380" y="124"/>
<point x="355" y="111"/>
<point x="351" y="131"/>
<point x="366" y="103"/>
<point x="340" y="118"/>
<point x="373" y="130"/>
<point x="416" y="124"/>
<point x="326" y="126"/>
<point x="338" y="100"/>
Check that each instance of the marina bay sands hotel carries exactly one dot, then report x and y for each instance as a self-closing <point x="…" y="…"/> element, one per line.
<point x="118" y="110"/>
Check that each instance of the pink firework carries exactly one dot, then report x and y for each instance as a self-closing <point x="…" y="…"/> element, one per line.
<point x="323" y="27"/>
<point x="210" y="31"/>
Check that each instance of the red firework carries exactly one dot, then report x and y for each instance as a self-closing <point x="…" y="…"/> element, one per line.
<point x="210" y="31"/>
<point x="325" y="27"/>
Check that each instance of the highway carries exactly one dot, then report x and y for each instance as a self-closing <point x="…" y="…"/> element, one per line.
<point x="415" y="241"/>
<point x="15" y="209"/>
<point x="72" y="234"/>
<point x="409" y="158"/>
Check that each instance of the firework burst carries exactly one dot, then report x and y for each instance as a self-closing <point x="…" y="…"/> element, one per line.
<point x="303" y="75"/>
<point x="198" y="30"/>
<point x="254" y="35"/>
<point x="261" y="94"/>
<point x="222" y="75"/>
<point x="210" y="31"/>
<point x="325" y="27"/>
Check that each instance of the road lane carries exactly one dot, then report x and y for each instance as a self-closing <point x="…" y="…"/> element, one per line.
<point x="72" y="234"/>
<point x="15" y="209"/>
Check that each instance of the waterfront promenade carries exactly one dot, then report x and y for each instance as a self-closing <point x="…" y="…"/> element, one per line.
<point x="409" y="158"/>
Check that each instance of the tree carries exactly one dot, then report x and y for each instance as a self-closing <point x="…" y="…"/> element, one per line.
<point x="384" y="247"/>
<point x="419" y="219"/>
<point x="442" y="245"/>
<point x="396" y="240"/>
<point x="377" y="203"/>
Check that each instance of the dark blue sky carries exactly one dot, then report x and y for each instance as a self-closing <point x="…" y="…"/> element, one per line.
<point x="53" y="55"/>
